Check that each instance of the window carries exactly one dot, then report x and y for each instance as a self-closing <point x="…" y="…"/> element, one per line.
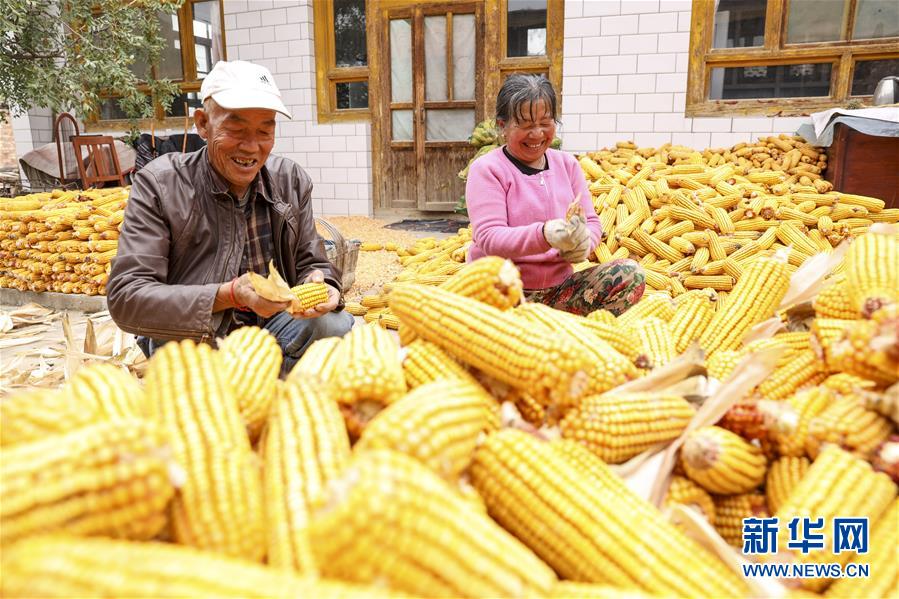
<point x="194" y="43"/>
<point x="788" y="57"/>
<point x="341" y="60"/>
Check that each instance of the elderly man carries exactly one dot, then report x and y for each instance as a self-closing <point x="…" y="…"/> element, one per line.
<point x="196" y="224"/>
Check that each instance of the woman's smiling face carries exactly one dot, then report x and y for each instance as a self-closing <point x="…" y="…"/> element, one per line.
<point x="530" y="132"/>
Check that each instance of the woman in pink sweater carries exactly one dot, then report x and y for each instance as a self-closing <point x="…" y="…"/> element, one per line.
<point x="530" y="203"/>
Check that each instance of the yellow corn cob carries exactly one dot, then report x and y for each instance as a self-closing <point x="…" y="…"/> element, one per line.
<point x="371" y="247"/>
<point x="659" y="248"/>
<point x="374" y="301"/>
<point x="492" y="280"/>
<point x="616" y="427"/>
<point x="425" y="362"/>
<point x="722" y="462"/>
<point x="677" y="229"/>
<point x="438" y="423"/>
<point x="783" y="476"/>
<point x="610" y="368"/>
<point x="847" y="423"/>
<point x="655" y="341"/>
<point x="306" y="447"/>
<point x="565" y="589"/>
<point x="683" y="246"/>
<point x="370" y="375"/>
<point x="309" y="295"/>
<point x="684" y="491"/>
<point x="499" y="344"/>
<point x="721" y="363"/>
<point x="57" y="566"/>
<point x="252" y="358"/>
<point x="355" y="308"/>
<point x="219" y="506"/>
<point x="871" y="204"/>
<point x="754" y="299"/>
<point x="657" y="305"/>
<point x="113" y="392"/>
<point x="36" y="414"/>
<point x="602" y="316"/>
<point x="590" y="528"/>
<point x="881" y="558"/>
<point x="804" y="369"/>
<point x="797" y="341"/>
<point x="847" y="383"/>
<point x="390" y="519"/>
<point x="717" y="282"/>
<point x="109" y="478"/>
<point x="732" y="509"/>
<point x="788" y="421"/>
<point x="872" y="272"/>
<point x="836" y="484"/>
<point x="833" y="301"/>
<point x="693" y="314"/>
<point x="320" y="359"/>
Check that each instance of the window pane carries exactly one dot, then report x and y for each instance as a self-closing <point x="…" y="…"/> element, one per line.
<point x="868" y="72"/>
<point x="816" y="21"/>
<point x="401" y="60"/>
<point x="739" y="23"/>
<point x="780" y="81"/>
<point x="109" y="110"/>
<point x="449" y="124"/>
<point x="170" y="58"/>
<point x="435" y="58"/>
<point x="352" y="94"/>
<point x="464" y="47"/>
<point x="207" y="35"/>
<point x="876" y="18"/>
<point x="193" y="102"/>
<point x="526" y="31"/>
<point x="349" y="33"/>
<point x="402" y="125"/>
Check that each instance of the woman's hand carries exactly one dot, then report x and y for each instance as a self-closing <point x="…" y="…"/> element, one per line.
<point x="567" y="235"/>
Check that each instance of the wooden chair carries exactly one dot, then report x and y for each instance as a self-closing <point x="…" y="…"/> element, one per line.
<point x="65" y="127"/>
<point x="102" y="160"/>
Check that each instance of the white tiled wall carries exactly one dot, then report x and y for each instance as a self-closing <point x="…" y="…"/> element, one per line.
<point x="32" y="130"/>
<point x="625" y="77"/>
<point x="279" y="35"/>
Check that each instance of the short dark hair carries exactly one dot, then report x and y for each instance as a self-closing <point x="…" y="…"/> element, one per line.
<point x="521" y="89"/>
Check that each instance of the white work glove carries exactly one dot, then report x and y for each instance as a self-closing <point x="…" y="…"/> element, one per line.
<point x="571" y="237"/>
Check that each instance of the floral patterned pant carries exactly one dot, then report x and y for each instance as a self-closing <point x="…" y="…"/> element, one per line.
<point x="614" y="286"/>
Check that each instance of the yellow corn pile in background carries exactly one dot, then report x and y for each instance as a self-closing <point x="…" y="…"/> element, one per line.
<point x="60" y="241"/>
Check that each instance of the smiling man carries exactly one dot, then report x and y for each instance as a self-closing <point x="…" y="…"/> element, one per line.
<point x="197" y="223"/>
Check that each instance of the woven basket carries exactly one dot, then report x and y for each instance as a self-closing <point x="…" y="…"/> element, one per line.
<point x="341" y="252"/>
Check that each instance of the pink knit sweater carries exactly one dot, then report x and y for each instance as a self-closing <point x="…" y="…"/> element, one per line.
<point x="507" y="210"/>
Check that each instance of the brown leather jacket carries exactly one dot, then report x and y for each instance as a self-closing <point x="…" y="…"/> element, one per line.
<point x="183" y="236"/>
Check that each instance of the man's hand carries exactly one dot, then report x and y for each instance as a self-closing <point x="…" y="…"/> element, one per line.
<point x="316" y="276"/>
<point x="247" y="297"/>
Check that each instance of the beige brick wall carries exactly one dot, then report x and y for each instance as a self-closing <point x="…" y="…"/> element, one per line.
<point x="7" y="145"/>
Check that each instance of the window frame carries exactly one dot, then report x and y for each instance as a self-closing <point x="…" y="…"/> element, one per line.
<point x="328" y="74"/>
<point x="842" y="54"/>
<point x="188" y="84"/>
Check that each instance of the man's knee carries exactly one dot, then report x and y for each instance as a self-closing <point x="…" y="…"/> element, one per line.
<point x="332" y="324"/>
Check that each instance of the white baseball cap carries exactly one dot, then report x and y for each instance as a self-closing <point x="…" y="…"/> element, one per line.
<point x="241" y="84"/>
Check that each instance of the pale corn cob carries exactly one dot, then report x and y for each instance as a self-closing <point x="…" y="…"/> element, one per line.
<point x="306" y="447"/>
<point x="692" y="315"/>
<point x="684" y="491"/>
<point x="603" y="316"/>
<point x="788" y="421"/>
<point x="655" y="341"/>
<point x="886" y="403"/>
<point x="836" y="484"/>
<point x="617" y="427"/>
<point x="730" y="511"/>
<point x="566" y="589"/>
<point x="109" y="478"/>
<point x="722" y="462"/>
<point x="219" y="506"/>
<point x="251" y="358"/>
<point x="783" y="475"/>
<point x="390" y="519"/>
<point x="492" y="280"/>
<point x="586" y="528"/>
<point x="499" y="344"/>
<point x="424" y="362"/>
<point x="437" y="423"/>
<point x="847" y="423"/>
<point x="321" y="359"/>
<point x="881" y="558"/>
<point x="36" y="414"/>
<point x="60" y="566"/>
<point x="872" y="272"/>
<point x="369" y="376"/>
<point x="610" y="368"/>
<point x="754" y="299"/>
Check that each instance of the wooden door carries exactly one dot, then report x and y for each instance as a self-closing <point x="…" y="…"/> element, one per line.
<point x="429" y="98"/>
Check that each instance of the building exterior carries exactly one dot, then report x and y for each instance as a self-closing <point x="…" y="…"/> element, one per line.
<point x="380" y="120"/>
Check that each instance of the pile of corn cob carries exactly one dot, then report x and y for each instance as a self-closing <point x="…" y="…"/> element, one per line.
<point x="62" y="241"/>
<point x="376" y="469"/>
